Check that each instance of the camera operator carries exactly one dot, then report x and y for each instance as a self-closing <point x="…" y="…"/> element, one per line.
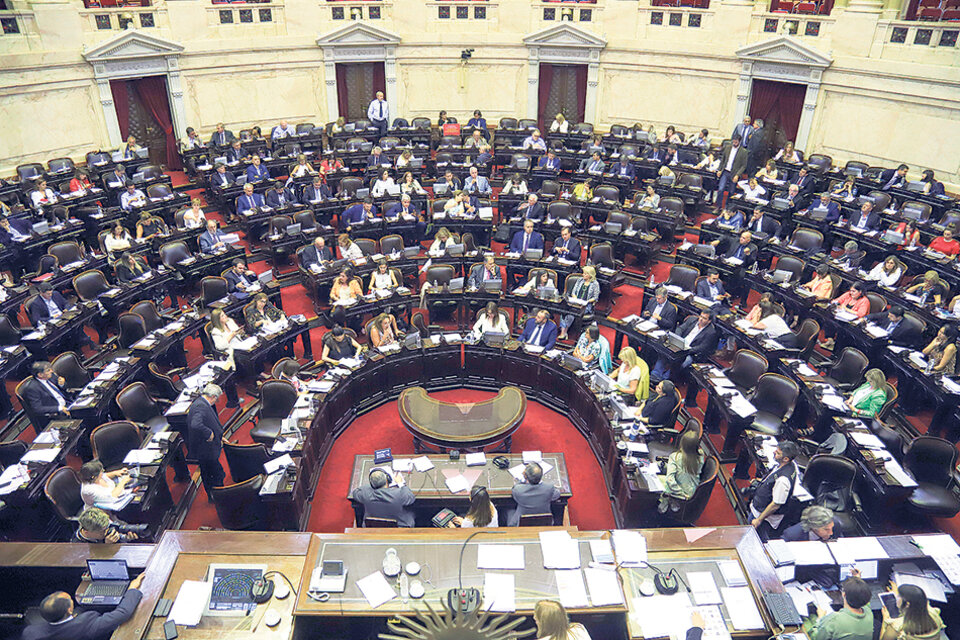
<point x="96" y="527"/>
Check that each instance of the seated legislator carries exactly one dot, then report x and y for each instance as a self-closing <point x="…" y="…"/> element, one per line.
<point x="382" y="501"/>
<point x="744" y="250"/>
<point x="531" y="209"/>
<point x="650" y="199"/>
<point x="946" y="244"/>
<point x="702" y="141"/>
<point x="656" y="409"/>
<point x="481" y="512"/>
<point x="865" y="219"/>
<point x="97" y="528"/>
<point x="261" y="312"/>
<point x="358" y="214"/>
<point x="711" y="288"/>
<point x="816" y="523"/>
<point x="318" y="191"/>
<point x="930" y="289"/>
<point x="377" y="159"/>
<point x="99" y="487"/>
<point x="853" y="622"/>
<point x="761" y="223"/>
<point x="384" y="331"/>
<point x="249" y="201"/>
<point x="115" y="179"/>
<point x="549" y="162"/>
<point x="710" y="162"/>
<point x="731" y="219"/>
<point x="851" y="256"/>
<point x="534" y="142"/>
<point x="409" y="186"/>
<point x="536" y="281"/>
<point x="832" y="209"/>
<point x="526" y="239"/>
<point x="847" y="189"/>
<point x="193" y="140"/>
<point x="193" y="218"/>
<point x="480" y="273"/>
<point x="222" y="136"/>
<point x="130" y="267"/>
<point x="774" y="326"/>
<point x="349" y="249"/>
<point x="317" y="253"/>
<point x="43" y="195"/>
<point x="132" y="197"/>
<point x="553" y="623"/>
<point x="211" y="240"/>
<point x="281" y="197"/>
<point x="699" y="333"/>
<point x="804" y="183"/>
<point x="531" y="495"/>
<point x="515" y="184"/>
<point x="47" y="305"/>
<point x="893" y="178"/>
<point x="931" y="186"/>
<point x="302" y="168"/>
<point x="941" y="353"/>
<point x="769" y="501"/>
<point x="593" y="350"/>
<point x="221" y="178"/>
<point x="474" y="141"/>
<point x="119" y="239"/>
<point x="751" y="189"/>
<point x="383" y="182"/>
<point x="478" y="121"/>
<point x="383" y="278"/>
<point x="235" y="153"/>
<point x="583" y="191"/>
<point x="451" y="181"/>
<point x="788" y="154"/>
<point x="459" y="205"/>
<point x="566" y="246"/>
<point x="559" y="124"/>
<point x="477" y="184"/>
<point x="659" y="309"/>
<point x="593" y="165"/>
<point x="339" y="346"/>
<point x="821" y="284"/>
<point x="853" y="301"/>
<point x="632" y="376"/>
<point x="490" y="320"/>
<point x="587" y="290"/>
<point x="623" y="168"/>
<point x="148" y="226"/>
<point x="867" y="399"/>
<point x="239" y="277"/>
<point x="257" y="172"/>
<point x="540" y="331"/>
<point x="223" y="331"/>
<point x="682" y="475"/>
<point x="61" y="622"/>
<point x="768" y="171"/>
<point x="45" y="394"/>
<point x="442" y="240"/>
<point x="485" y="156"/>
<point x="899" y="333"/>
<point x="911" y="233"/>
<point x="331" y="164"/>
<point x="283" y="130"/>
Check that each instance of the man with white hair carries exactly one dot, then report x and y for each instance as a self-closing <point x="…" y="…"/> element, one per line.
<point x="380" y="500"/>
<point x="284" y="130"/>
<point x="205" y="436"/>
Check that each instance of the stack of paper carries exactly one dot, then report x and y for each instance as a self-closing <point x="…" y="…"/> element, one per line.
<point x="732" y="573"/>
<point x="559" y="550"/>
<point x="376" y="589"/>
<point x="741" y="608"/>
<point x="500" y="556"/>
<point x="604" y="587"/>
<point x="192" y="599"/>
<point x="630" y="547"/>
<point x="41" y="455"/>
<point x="810" y="552"/>
<point x="499" y="592"/>
<point x="703" y="587"/>
<point x="571" y="588"/>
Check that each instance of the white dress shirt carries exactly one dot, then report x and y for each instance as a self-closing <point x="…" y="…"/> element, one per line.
<point x="378" y="110"/>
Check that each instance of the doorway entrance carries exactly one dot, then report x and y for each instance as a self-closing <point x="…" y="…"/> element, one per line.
<point x="357" y="84"/>
<point x="143" y="111"/>
<point x="779" y="105"/>
<point x="563" y="89"/>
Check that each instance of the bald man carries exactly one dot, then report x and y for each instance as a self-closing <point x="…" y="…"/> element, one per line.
<point x="60" y="622"/>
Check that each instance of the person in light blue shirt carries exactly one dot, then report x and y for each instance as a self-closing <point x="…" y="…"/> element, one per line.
<point x="378" y="113"/>
<point x="132" y="197"/>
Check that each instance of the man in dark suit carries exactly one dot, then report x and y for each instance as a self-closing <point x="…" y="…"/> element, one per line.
<point x="480" y="273"/>
<point x="661" y="310"/>
<point x="866" y="220"/>
<point x="592" y="165"/>
<point x="408" y="208"/>
<point x="117" y="179"/>
<point x="205" y="437"/>
<point x="211" y="240"/>
<point x="531" y="495"/>
<point x="566" y="246"/>
<point x="249" y="201"/>
<point x="281" y="197"/>
<point x="756" y="147"/>
<point x="221" y="178"/>
<point x="831" y="208"/>
<point x="894" y="178"/>
<point x="235" y="153"/>
<point x="699" y="333"/>
<point x="47" y="305"/>
<point x="257" y="172"/>
<point x="540" y="331"/>
<point x="316" y="253"/>
<point x="743" y="249"/>
<point x="623" y="169"/>
<point x="805" y="182"/>
<point x="549" y="162"/>
<point x="899" y="332"/>
<point x="44" y="395"/>
<point x="222" y="137"/>
<point x="316" y="192"/>
<point x="382" y="501"/>
<point x="526" y="239"/>
<point x="760" y="223"/>
<point x="744" y="130"/>
<point x="239" y="277"/>
<point x="357" y="214"/>
<point x="60" y="622"/>
<point x="732" y="164"/>
<point x="531" y="209"/>
<point x="711" y="288"/>
<point x="453" y="183"/>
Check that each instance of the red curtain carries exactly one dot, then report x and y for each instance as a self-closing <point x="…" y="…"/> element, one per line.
<point x="342" y="103"/>
<point x="581" y="91"/>
<point x="779" y="104"/>
<point x="152" y="93"/>
<point x="379" y="79"/>
<point x="121" y="104"/>
<point x="546" y="80"/>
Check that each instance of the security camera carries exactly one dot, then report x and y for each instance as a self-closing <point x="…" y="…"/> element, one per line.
<point x="466" y="54"/>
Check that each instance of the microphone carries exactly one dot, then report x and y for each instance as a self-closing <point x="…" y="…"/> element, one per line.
<point x="467" y="600"/>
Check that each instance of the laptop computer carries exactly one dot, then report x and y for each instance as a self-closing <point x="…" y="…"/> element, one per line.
<point x="547" y="292"/>
<point x="675" y="341"/>
<point x="522" y="163"/>
<point x="818" y="213"/>
<point x="494" y="284"/>
<point x="455" y="283"/>
<point x="642" y="136"/>
<point x="393" y="189"/>
<point x="780" y="275"/>
<point x="455" y="249"/>
<point x="533" y="254"/>
<point x="266" y="276"/>
<point x="415" y="163"/>
<point x="666" y="181"/>
<point x="602" y="381"/>
<point x="142" y="152"/>
<point x="138" y="177"/>
<point x="910" y="213"/>
<point x="494" y="338"/>
<point x="612" y="228"/>
<point x="293" y="229"/>
<point x="117" y="156"/>
<point x="109" y="580"/>
<point x="893" y="237"/>
<point x="41" y="227"/>
<point x="572" y="362"/>
<point x="363" y="193"/>
<point x="780" y="204"/>
<point x="241" y="179"/>
<point x="411" y="252"/>
<point x="705" y="250"/>
<point x="440" y="188"/>
<point x="412" y="340"/>
<point x="915" y="186"/>
<point x="856" y="172"/>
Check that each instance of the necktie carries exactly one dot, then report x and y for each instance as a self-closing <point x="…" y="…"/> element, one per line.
<point x="380" y="104"/>
<point x="526" y="238"/>
<point x="535" y="336"/>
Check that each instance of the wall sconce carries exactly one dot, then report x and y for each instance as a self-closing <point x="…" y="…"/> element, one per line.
<point x="566" y="14"/>
<point x="356" y="13"/>
<point x="125" y="20"/>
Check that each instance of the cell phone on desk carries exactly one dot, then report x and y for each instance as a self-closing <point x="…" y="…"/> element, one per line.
<point x="889" y="600"/>
<point x="170" y="630"/>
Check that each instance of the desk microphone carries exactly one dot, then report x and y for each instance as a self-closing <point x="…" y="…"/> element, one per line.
<point x="460" y="600"/>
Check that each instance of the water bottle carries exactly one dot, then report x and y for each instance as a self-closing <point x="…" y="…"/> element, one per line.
<point x="653" y="280"/>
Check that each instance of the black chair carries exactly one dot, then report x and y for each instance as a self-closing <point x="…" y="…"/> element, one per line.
<point x="602" y="254"/>
<point x="607" y="192"/>
<point x="775" y="398"/>
<point x="793" y="265"/>
<point x="806" y="339"/>
<point x="11" y="451"/>
<point x="38" y="420"/>
<point x="847" y="371"/>
<point x="746" y="369"/>
<point x="137" y="405"/>
<point x="507" y="123"/>
<point x="90" y="284"/>
<point x="877" y="302"/>
<point x="892" y="396"/>
<point x="371" y="522"/>
<point x="691" y="510"/>
<point x="131" y="330"/>
<point x="583" y="127"/>
<point x="212" y="288"/>
<point x="60" y="165"/>
<point x="683" y="276"/>
<point x="536" y="520"/>
<point x="829" y="472"/>
<point x="239" y="506"/>
<point x="367" y="246"/>
<point x="66" y="252"/>
<point x="68" y="366"/>
<point x="277" y="398"/>
<point x="809" y="240"/>
<point x="152" y="319"/>
<point x="245" y="460"/>
<point x="285" y="367"/>
<point x="392" y="243"/>
<point x="111" y="442"/>
<point x="931" y="462"/>
<point x="881" y="200"/>
<point x="63" y="491"/>
<point x="159" y="191"/>
<point x="420" y="324"/>
<point x="549" y="189"/>
<point x="420" y="123"/>
<point x="173" y="253"/>
<point x="163" y="384"/>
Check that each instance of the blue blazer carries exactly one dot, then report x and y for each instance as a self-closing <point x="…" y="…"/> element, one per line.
<point x="536" y="212"/>
<point x="548" y="337"/>
<point x="873" y="220"/>
<point x="207" y="240"/>
<point x="235" y="155"/>
<point x="397" y="209"/>
<point x="216" y="181"/>
<point x="668" y="318"/>
<point x="202" y="422"/>
<point x="547" y="163"/>
<point x="375" y="161"/>
<point x="535" y="242"/>
<point x="289" y="197"/>
<point x="617" y="166"/>
<point x="355" y="214"/>
<point x="575" y="250"/>
<point x="480" y="185"/>
<point x="256" y="174"/>
<point x="233" y="280"/>
<point x="833" y="210"/>
<point x="703" y="289"/>
<point x="87" y="624"/>
<point x="245" y="202"/>
<point x="310" y="194"/>
<point x="37" y="310"/>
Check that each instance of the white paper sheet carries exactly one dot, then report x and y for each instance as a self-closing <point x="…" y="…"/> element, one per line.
<point x="810" y="552"/>
<point x="457" y="483"/>
<point x="475" y="459"/>
<point x="499" y="592"/>
<point x="500" y="556"/>
<point x="658" y="616"/>
<point x="732" y="573"/>
<point x="602" y="551"/>
<point x="703" y="587"/>
<point x="532" y="456"/>
<point x="422" y="464"/>
<point x="402" y="464"/>
<point x="631" y="547"/>
<point x="937" y="544"/>
<point x="376" y="589"/>
<point x="741" y="608"/>
<point x="192" y="599"/>
<point x="559" y="550"/>
<point x="41" y="455"/>
<point x="604" y="587"/>
<point x="572" y="588"/>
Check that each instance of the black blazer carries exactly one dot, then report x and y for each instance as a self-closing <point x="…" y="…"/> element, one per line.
<point x="668" y="319"/>
<point x="658" y="409"/>
<point x="233" y="280"/>
<point x="536" y="212"/>
<point x="749" y="252"/>
<point x="309" y="256"/>
<point x="767" y="225"/>
<point x="126" y="274"/>
<point x="202" y="422"/>
<point x="706" y="341"/>
<point x="39" y="399"/>
<point x="37" y="309"/>
<point x="88" y="625"/>
<point x="905" y="334"/>
<point x="573" y="246"/>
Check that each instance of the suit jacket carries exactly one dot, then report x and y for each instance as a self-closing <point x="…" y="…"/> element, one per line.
<point x="289" y="197"/>
<point x="905" y="334"/>
<point x="806" y="184"/>
<point x="88" y="625"/>
<point x="745" y="131"/>
<point x="887" y="175"/>
<point x="222" y="139"/>
<point x="207" y="240"/>
<point x="386" y="502"/>
<point x="767" y="225"/>
<point x="40" y="400"/>
<point x="617" y="167"/>
<point x="795" y="533"/>
<point x="310" y="256"/>
<point x="475" y="279"/>
<point x="668" y="317"/>
<point x="397" y="209"/>
<point x="749" y="255"/>
<point x="548" y="164"/>
<point x="703" y="288"/>
<point x="37" y="309"/>
<point x="587" y="163"/>
<point x="310" y="194"/>
<point x="480" y="185"/>
<point x="256" y="174"/>
<point x="705" y="342"/>
<point x="833" y="210"/>
<point x="235" y="155"/>
<point x="535" y="241"/>
<point x="246" y="203"/>
<point x="548" y="336"/>
<point x="355" y="214"/>
<point x="739" y="161"/>
<point x="573" y="245"/>
<point x="377" y="161"/>
<point x="532" y="498"/>
<point x="125" y="273"/>
<point x="658" y="409"/>
<point x="202" y="422"/>
<point x="873" y="220"/>
<point x="234" y="280"/>
<point x="216" y="179"/>
<point x="536" y="212"/>
<point x="453" y="185"/>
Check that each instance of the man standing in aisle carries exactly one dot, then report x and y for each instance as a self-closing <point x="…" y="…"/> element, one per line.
<point x="205" y="437"/>
<point x="378" y="113"/>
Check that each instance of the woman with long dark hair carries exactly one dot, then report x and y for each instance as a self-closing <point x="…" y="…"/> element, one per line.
<point x="917" y="620"/>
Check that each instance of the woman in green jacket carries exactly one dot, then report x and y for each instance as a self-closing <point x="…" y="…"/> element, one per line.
<point x="869" y="397"/>
<point x="683" y="473"/>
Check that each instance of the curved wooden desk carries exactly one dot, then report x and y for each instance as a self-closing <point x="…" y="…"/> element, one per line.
<point x="458" y="425"/>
